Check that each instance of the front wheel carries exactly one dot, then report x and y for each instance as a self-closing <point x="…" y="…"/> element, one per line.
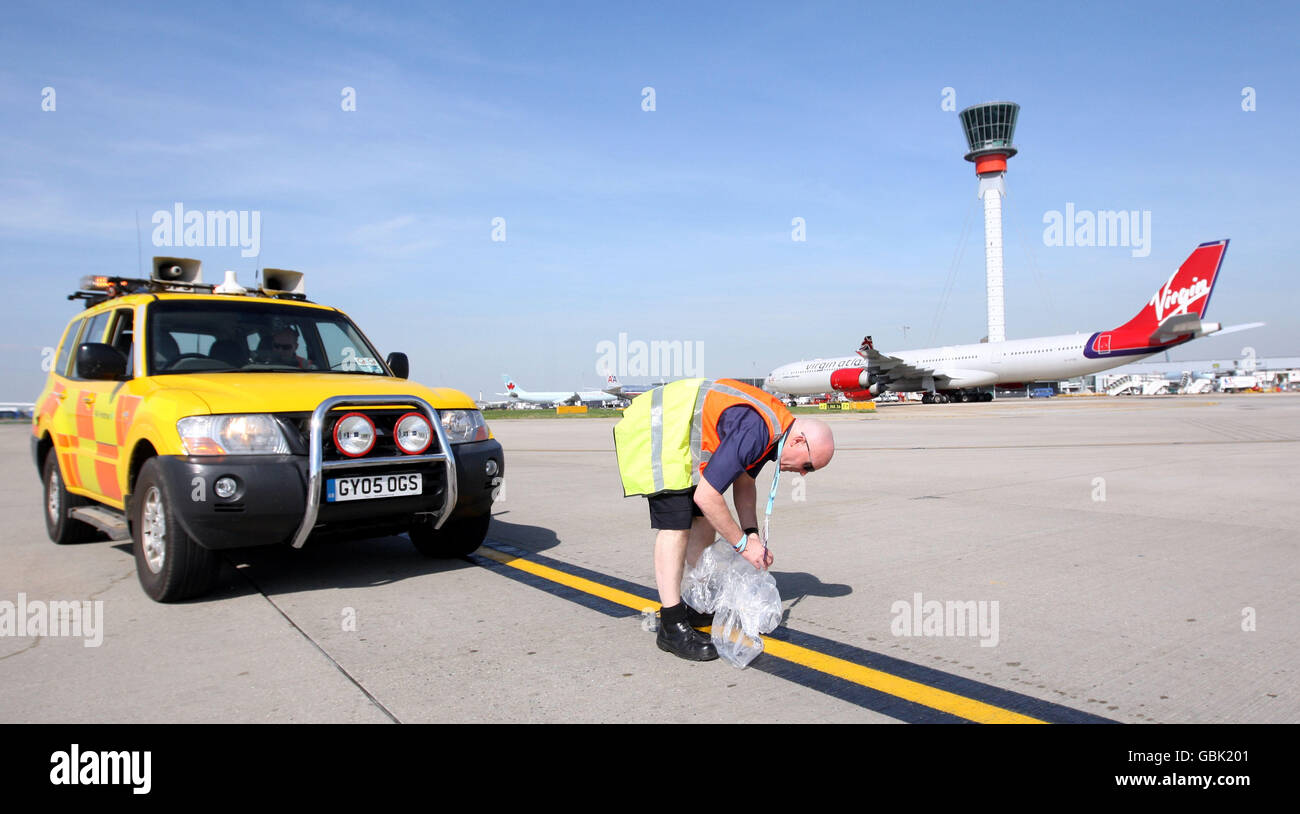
<point x="457" y="537"/>
<point x="63" y="530"/>
<point x="170" y="564"/>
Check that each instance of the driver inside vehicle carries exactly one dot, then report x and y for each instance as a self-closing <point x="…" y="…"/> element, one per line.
<point x="283" y="350"/>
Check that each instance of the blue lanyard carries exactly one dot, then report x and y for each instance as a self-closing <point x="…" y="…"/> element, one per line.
<point x="776" y="481"/>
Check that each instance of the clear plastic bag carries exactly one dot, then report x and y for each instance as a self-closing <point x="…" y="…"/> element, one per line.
<point x="744" y="601"/>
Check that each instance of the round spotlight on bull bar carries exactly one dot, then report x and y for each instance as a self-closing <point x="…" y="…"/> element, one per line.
<point x="413" y="433"/>
<point x="354" y="435"/>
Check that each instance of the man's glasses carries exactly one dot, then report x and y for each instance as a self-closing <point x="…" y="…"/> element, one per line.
<point x="808" y="467"/>
<point x="279" y="346"/>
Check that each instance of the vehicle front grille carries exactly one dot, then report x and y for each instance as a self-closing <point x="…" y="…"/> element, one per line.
<point x="298" y="426"/>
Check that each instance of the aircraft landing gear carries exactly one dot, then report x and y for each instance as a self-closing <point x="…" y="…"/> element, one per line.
<point x="961" y="396"/>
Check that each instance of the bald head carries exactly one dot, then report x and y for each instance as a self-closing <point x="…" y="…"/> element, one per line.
<point x="810" y="441"/>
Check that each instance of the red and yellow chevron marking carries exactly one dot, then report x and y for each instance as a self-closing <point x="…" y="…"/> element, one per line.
<point x="85" y="415"/>
<point x="124" y="415"/>
<point x="90" y="456"/>
<point x="70" y="473"/>
<point x="106" y="474"/>
<point x="51" y="402"/>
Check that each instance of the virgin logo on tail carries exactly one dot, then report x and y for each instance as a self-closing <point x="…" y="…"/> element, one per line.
<point x="1182" y="298"/>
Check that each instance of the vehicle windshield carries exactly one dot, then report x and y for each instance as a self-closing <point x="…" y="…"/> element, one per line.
<point x="196" y="336"/>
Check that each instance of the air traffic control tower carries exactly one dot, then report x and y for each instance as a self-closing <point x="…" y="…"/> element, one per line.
<point x="989" y="128"/>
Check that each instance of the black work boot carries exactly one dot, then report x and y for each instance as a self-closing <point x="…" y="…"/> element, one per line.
<point x="686" y="642"/>
<point x="676" y="636"/>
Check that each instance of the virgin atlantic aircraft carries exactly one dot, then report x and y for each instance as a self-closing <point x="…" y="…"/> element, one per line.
<point x="1170" y="318"/>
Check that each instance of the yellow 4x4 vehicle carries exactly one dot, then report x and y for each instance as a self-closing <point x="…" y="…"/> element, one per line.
<point x="196" y="418"/>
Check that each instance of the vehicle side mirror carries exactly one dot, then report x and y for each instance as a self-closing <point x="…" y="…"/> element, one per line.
<point x="399" y="364"/>
<point x="96" y="360"/>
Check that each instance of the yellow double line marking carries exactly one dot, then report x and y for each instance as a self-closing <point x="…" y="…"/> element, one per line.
<point x="906" y="689"/>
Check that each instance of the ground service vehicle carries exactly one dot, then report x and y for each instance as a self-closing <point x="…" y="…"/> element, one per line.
<point x="197" y="418"/>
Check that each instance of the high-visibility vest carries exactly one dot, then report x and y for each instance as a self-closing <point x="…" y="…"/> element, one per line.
<point x="668" y="434"/>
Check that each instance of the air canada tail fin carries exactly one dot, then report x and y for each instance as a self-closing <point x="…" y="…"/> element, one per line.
<point x="511" y="387"/>
<point x="1173" y="314"/>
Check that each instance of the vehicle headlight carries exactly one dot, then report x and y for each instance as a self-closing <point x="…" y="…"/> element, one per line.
<point x="413" y="433"/>
<point x="463" y="426"/>
<point x="354" y="435"/>
<point x="232" y="435"/>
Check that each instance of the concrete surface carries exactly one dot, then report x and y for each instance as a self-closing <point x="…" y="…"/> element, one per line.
<point x="1127" y="543"/>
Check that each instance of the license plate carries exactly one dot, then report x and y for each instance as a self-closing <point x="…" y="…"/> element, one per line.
<point x="365" y="487"/>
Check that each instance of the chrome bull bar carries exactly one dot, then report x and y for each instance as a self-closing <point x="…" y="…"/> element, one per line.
<point x="317" y="465"/>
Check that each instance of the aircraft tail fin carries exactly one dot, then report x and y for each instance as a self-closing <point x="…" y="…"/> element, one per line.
<point x="1174" y="312"/>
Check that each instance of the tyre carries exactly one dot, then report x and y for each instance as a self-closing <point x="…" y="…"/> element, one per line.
<point x="170" y="564"/>
<point x="63" y="530"/>
<point x="457" y="537"/>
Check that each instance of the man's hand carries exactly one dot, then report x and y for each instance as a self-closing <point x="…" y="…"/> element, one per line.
<point x="756" y="554"/>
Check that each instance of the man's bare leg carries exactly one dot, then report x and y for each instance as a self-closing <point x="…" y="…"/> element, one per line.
<point x="670" y="560"/>
<point x="676" y="635"/>
<point x="702" y="535"/>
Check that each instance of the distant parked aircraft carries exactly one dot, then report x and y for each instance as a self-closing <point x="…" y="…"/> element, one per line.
<point x="517" y="393"/>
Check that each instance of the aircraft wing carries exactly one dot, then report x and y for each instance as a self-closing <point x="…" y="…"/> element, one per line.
<point x="891" y="368"/>
<point x="1232" y="329"/>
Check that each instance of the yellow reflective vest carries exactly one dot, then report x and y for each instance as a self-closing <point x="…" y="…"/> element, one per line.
<point x="667" y="434"/>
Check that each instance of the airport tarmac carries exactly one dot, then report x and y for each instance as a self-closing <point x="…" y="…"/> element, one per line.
<point x="1142" y="555"/>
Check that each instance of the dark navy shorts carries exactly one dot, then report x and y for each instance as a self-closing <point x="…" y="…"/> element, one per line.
<point x="673" y="512"/>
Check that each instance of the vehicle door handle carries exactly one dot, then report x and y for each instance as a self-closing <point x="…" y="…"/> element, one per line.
<point x="61" y="396"/>
<point x="89" y="400"/>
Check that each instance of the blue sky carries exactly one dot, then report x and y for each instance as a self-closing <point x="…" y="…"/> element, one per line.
<point x="671" y="224"/>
